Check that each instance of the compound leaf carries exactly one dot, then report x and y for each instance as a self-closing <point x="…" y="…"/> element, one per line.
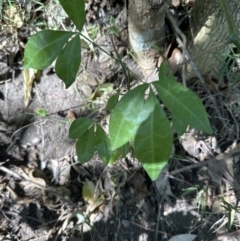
<point x="85" y="146"/>
<point x="68" y="61"/>
<point x="102" y="143"/>
<point x="153" y="141"/>
<point x="75" y="9"/>
<point x="43" y="48"/>
<point x="79" y="127"/>
<point x="126" y="117"/>
<point x="182" y="102"/>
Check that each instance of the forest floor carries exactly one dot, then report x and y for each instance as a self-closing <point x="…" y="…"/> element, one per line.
<point x="41" y="180"/>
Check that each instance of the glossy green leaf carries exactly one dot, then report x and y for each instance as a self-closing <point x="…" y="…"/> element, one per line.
<point x="182" y="102"/>
<point x="121" y="152"/>
<point x="68" y="61"/>
<point x="102" y="143"/>
<point x="75" y="9"/>
<point x="79" y="127"/>
<point x="85" y="146"/>
<point x="153" y="141"/>
<point x="126" y="117"/>
<point x="179" y="126"/>
<point x="113" y="100"/>
<point x="43" y="48"/>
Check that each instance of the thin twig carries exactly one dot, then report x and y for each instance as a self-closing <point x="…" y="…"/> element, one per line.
<point x="49" y="189"/>
<point x="19" y="176"/>
<point x="221" y="157"/>
<point x="182" y="41"/>
<point x="121" y="63"/>
<point x="234" y="119"/>
<point x="160" y="212"/>
<point x="149" y="229"/>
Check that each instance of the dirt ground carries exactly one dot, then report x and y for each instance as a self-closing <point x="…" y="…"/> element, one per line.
<point x="41" y="181"/>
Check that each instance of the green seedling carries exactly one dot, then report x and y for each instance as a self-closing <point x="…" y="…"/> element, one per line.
<point x="230" y="210"/>
<point x="112" y="28"/>
<point x="42" y="112"/>
<point x="94" y="29"/>
<point x="138" y="121"/>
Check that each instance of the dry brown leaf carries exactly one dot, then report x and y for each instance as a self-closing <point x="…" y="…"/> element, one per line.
<point x="28" y="76"/>
<point x="61" y="171"/>
<point x="14" y="16"/>
<point x="141" y="190"/>
<point x="16" y="199"/>
<point x="35" y="175"/>
<point x="183" y="237"/>
<point x="86" y="89"/>
<point x="215" y="169"/>
<point x="217" y="206"/>
<point x="210" y="82"/>
<point x="176" y="58"/>
<point x="70" y="115"/>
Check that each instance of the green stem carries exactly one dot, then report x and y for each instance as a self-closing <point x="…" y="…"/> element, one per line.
<point x="233" y="32"/>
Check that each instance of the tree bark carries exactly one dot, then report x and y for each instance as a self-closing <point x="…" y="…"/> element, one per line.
<point x="146" y="31"/>
<point x="207" y="44"/>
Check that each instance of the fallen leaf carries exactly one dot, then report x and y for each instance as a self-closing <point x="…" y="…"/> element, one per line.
<point x="183" y="237"/>
<point x="14" y="16"/>
<point x="28" y="76"/>
<point x="70" y="115"/>
<point x="61" y="171"/>
<point x="89" y="192"/>
<point x="141" y="190"/>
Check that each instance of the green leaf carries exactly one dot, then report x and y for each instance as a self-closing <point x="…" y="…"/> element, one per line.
<point x="120" y="152"/>
<point x="153" y="141"/>
<point x="68" y="61"/>
<point x="75" y="9"/>
<point x="85" y="146"/>
<point x="43" y="48"/>
<point x="41" y="112"/>
<point x="84" y="44"/>
<point x="79" y="127"/>
<point x="127" y="115"/>
<point x="102" y="143"/>
<point x="101" y="91"/>
<point x="179" y="126"/>
<point x="182" y="102"/>
<point x="113" y="100"/>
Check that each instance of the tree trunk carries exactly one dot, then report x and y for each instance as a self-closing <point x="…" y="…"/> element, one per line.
<point x="209" y="34"/>
<point x="206" y="43"/>
<point x="146" y="31"/>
